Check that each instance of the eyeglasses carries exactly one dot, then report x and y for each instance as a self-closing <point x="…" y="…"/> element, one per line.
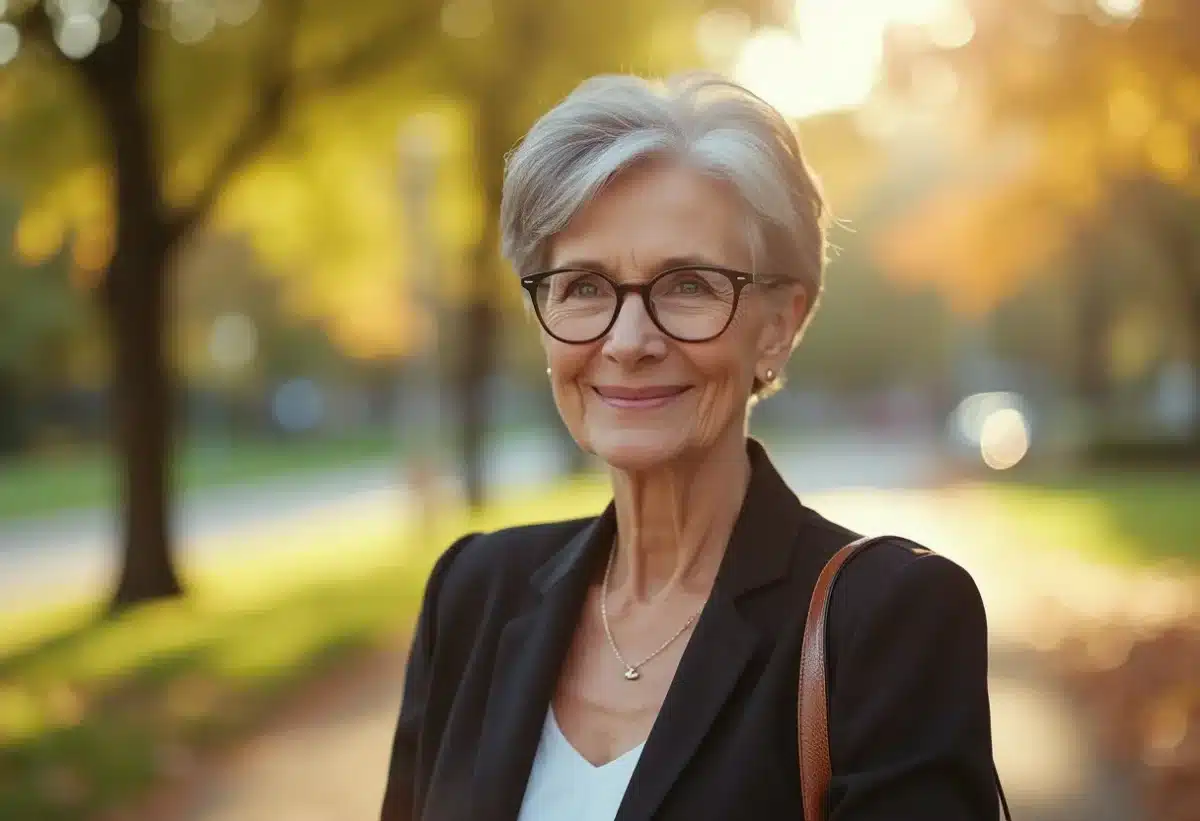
<point x="689" y="304"/>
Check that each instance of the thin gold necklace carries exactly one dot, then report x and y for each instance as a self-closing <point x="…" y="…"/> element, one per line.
<point x="633" y="671"/>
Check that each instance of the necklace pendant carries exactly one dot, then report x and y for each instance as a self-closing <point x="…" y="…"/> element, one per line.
<point x="631" y="674"/>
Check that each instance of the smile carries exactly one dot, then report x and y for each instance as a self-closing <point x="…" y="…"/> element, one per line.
<point x="639" y="398"/>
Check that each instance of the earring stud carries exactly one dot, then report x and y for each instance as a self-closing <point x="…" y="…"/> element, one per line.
<point x="769" y="375"/>
<point x="547" y="371"/>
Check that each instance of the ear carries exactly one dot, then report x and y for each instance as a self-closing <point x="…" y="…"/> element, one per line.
<point x="785" y="315"/>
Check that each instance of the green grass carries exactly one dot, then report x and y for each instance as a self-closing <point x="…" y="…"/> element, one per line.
<point x="51" y="484"/>
<point x="1134" y="517"/>
<point x="93" y="712"/>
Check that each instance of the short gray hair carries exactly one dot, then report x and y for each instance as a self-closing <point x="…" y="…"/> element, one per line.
<point x="611" y="122"/>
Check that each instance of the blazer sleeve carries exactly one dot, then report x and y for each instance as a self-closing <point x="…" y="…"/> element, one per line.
<point x="400" y="795"/>
<point x="910" y="724"/>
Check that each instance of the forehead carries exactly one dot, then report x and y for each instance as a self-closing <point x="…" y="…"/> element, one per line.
<point x="656" y="211"/>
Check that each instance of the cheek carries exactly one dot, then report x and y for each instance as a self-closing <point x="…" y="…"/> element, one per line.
<point x="567" y="363"/>
<point x="727" y="369"/>
<point x="732" y="357"/>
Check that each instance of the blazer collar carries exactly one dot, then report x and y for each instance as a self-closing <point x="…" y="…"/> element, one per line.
<point x="532" y="647"/>
<point x="580" y="555"/>
<point x="759" y="547"/>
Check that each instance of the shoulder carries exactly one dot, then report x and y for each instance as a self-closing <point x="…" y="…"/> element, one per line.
<point x="891" y="561"/>
<point x="480" y="565"/>
<point x="896" y="583"/>
<point x="910" y="607"/>
<point x="899" y="569"/>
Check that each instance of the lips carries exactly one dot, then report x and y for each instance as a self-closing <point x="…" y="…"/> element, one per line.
<point x="639" y="398"/>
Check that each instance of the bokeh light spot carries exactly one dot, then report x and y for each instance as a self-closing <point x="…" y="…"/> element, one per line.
<point x="78" y="35"/>
<point x="1003" y="438"/>
<point x="10" y="43"/>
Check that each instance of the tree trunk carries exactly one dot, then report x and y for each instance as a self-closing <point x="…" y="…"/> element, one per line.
<point x="136" y="311"/>
<point x="1092" y="327"/>
<point x="1194" y="330"/>
<point x="478" y="364"/>
<point x="13" y="430"/>
<point x="135" y="300"/>
<point x="481" y="334"/>
<point x="1178" y="237"/>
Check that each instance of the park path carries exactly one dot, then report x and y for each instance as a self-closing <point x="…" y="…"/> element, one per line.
<point x="326" y="759"/>
<point x="72" y="555"/>
<point x="69" y="556"/>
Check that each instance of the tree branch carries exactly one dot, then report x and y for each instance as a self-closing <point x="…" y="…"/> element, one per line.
<point x="280" y="85"/>
<point x="389" y="48"/>
<point x="34" y="24"/>
<point x="267" y="115"/>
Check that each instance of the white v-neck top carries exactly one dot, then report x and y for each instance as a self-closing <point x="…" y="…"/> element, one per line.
<point x="565" y="785"/>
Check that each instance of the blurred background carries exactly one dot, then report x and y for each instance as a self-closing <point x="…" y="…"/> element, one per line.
<point x="260" y="362"/>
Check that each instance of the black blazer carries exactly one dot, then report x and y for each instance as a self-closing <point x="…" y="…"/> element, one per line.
<point x="910" y="732"/>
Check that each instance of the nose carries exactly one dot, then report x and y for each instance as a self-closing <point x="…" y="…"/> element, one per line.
<point x="634" y="336"/>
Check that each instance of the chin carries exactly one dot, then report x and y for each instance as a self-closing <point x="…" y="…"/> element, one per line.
<point x="638" y="450"/>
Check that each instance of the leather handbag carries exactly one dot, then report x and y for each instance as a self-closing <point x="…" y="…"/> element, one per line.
<point x="813" y="706"/>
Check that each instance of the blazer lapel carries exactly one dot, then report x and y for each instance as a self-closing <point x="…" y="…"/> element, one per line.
<point x="760" y="552"/>
<point x="528" y="659"/>
<point x="711" y="666"/>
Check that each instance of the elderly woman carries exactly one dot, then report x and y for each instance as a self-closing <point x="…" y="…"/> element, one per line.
<point x="643" y="664"/>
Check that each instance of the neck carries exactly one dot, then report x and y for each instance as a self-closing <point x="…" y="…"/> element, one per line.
<point x="674" y="522"/>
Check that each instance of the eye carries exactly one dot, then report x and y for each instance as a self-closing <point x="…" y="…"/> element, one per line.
<point x="576" y="285"/>
<point x="689" y="283"/>
<point x="583" y="287"/>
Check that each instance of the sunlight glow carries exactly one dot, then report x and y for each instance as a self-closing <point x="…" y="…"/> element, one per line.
<point x="720" y="34"/>
<point x="831" y="57"/>
<point x="1125" y="9"/>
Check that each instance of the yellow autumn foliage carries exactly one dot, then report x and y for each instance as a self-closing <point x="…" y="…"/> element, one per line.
<point x="1099" y="102"/>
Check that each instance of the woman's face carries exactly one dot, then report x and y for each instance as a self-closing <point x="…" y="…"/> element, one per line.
<point x="636" y="397"/>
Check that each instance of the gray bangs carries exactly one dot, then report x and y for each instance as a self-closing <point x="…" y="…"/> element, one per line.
<point x="613" y="122"/>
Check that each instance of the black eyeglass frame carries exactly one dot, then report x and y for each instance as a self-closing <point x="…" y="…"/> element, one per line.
<point x="738" y="279"/>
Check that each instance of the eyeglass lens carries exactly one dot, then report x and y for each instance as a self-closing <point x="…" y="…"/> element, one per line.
<point x="687" y="304"/>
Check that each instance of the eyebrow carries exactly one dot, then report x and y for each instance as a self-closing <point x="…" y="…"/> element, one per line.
<point x="675" y="261"/>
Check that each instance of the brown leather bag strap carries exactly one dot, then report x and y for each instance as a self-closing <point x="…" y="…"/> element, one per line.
<point x="813" y="705"/>
<point x="813" y="724"/>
